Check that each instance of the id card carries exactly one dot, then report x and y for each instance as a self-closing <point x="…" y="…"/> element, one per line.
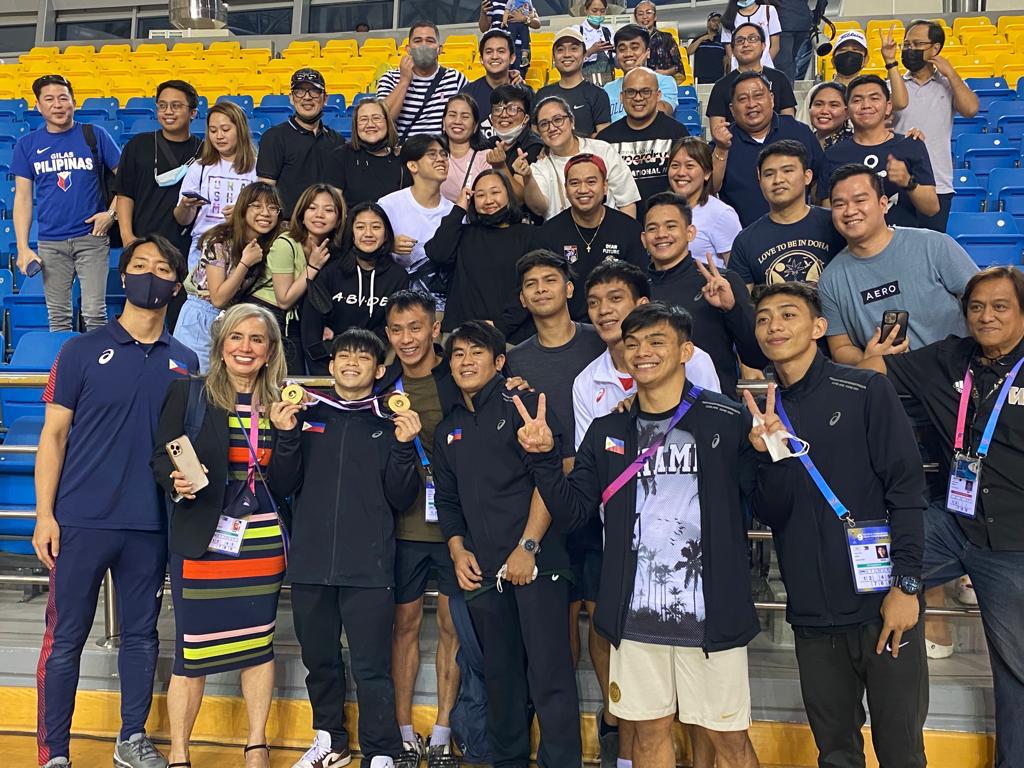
<point x="430" y="508"/>
<point x="962" y="496"/>
<point x="227" y="539"/>
<point x="870" y="545"/>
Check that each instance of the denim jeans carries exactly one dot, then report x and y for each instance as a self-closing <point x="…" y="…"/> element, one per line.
<point x="88" y="257"/>
<point x="998" y="579"/>
<point x="789" y="48"/>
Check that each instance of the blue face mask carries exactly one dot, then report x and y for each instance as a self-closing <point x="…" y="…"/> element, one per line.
<point x="171" y="177"/>
<point x="745" y="3"/>
<point x="147" y="291"/>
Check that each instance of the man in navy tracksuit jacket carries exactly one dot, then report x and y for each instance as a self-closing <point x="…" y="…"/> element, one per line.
<point x="675" y="528"/>
<point x="863" y="445"/>
<point x="351" y="473"/>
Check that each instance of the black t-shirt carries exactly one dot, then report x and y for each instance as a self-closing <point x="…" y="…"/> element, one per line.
<point x="295" y="158"/>
<point x="364" y="177"/>
<point x="902" y="212"/>
<point x="481" y="92"/>
<point x="718" y="101"/>
<point x="767" y="252"/>
<point x="617" y="237"/>
<point x="154" y="204"/>
<point x="589" y="103"/>
<point x="645" y="152"/>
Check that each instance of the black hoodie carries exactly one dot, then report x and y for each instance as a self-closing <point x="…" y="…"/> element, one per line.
<point x="339" y="301"/>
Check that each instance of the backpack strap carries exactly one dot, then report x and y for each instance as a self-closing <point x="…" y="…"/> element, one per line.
<point x="97" y="164"/>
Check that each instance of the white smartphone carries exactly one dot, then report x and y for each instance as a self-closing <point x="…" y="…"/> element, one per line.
<point x="184" y="458"/>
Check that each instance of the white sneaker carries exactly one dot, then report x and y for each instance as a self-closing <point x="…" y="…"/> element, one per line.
<point x="965" y="594"/>
<point x="320" y="754"/>
<point x="382" y="761"/>
<point x="936" y="651"/>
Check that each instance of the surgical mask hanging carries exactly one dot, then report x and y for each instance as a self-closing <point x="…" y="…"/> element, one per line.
<point x="510" y="135"/>
<point x="778" y="443"/>
<point x="173" y="176"/>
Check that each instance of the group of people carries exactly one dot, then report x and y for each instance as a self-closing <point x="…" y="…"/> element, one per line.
<point x="601" y="281"/>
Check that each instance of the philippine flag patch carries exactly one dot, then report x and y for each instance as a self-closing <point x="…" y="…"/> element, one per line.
<point x="177" y="366"/>
<point x="313" y="426"/>
<point x="614" y="445"/>
<point x="455" y="434"/>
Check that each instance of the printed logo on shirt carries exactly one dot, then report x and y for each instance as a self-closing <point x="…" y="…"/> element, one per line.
<point x="62" y="163"/>
<point x="1015" y="396"/>
<point x="177" y="366"/>
<point x="571" y="253"/>
<point x="672" y="460"/>
<point x="614" y="445"/>
<point x="501" y="423"/>
<point x="610" y="251"/>
<point x="959" y="386"/>
<point x="645" y="159"/>
<point x="44" y="149"/>
<point x="314" y="426"/>
<point x="106" y="357"/>
<point x="455" y="434"/>
<point x="600" y="395"/>
<point x="360" y="301"/>
<point x="716" y="440"/>
<point x="835" y="418"/>
<point x="880" y="292"/>
<point x="794" y="266"/>
<point x="64" y="181"/>
<point x="376" y="434"/>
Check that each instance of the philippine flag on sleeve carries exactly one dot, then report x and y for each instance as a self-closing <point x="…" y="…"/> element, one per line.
<point x="313" y="426"/>
<point x="455" y="434"/>
<point x="177" y="366"/>
<point x="614" y="445"/>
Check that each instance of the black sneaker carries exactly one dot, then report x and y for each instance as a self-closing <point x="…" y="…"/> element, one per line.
<point x="412" y="753"/>
<point x="441" y="756"/>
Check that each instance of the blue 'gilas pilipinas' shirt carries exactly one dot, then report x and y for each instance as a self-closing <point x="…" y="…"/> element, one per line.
<point x="61" y="169"/>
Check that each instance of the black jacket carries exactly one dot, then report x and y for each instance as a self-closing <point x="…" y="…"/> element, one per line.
<point x="714" y="331"/>
<point x="363" y="177"/>
<point x="484" y="487"/>
<point x="193" y="522"/>
<point x="725" y="470"/>
<point x="348" y="481"/>
<point x="341" y="300"/>
<point x="447" y="392"/>
<point x="864" y="447"/>
<point x="484" y="284"/>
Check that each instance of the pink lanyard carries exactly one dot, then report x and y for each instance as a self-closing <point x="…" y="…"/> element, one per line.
<point x="253" y="439"/>
<point x="997" y="408"/>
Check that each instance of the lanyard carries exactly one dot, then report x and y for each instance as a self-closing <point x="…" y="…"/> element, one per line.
<point x="833" y="501"/>
<point x="416" y="440"/>
<point x="366" y="404"/>
<point x="997" y="408"/>
<point x="629" y="472"/>
<point x="252" y="439"/>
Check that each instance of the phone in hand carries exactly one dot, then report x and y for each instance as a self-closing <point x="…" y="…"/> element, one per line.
<point x="195" y="196"/>
<point x="184" y="458"/>
<point x="34" y="267"/>
<point x="891" y="318"/>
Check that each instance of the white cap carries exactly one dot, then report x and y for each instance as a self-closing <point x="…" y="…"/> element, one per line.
<point x="851" y="36"/>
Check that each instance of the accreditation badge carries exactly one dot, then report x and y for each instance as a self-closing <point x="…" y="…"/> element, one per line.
<point x="964" y="474"/>
<point x="870" y="546"/>
<point x="430" y="508"/>
<point x="227" y="539"/>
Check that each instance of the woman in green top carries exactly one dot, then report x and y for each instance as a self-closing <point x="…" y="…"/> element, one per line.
<point x="296" y="256"/>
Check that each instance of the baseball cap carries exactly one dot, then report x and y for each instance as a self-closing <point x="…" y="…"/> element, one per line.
<point x="308" y="78"/>
<point x="572" y="33"/>
<point x="713" y="14"/>
<point x="587" y="157"/>
<point x="851" y="36"/>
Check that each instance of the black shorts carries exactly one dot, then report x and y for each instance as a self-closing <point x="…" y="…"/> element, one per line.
<point x="587" y="572"/>
<point x="415" y="561"/>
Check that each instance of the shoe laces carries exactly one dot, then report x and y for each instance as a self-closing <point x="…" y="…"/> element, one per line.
<point x="144" y="748"/>
<point x="318" y="751"/>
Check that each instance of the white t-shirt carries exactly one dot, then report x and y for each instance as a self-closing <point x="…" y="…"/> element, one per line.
<point x="219" y="183"/>
<point x="767" y="18"/>
<point x="549" y="173"/>
<point x="411" y="219"/>
<point x="717" y="226"/>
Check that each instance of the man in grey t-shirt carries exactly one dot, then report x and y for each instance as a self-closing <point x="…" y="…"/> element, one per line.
<point x="917" y="270"/>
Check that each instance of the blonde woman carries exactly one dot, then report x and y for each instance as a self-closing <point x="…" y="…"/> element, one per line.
<point x="225" y="576"/>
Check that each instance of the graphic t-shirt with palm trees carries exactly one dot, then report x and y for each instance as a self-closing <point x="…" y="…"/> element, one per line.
<point x="667" y="607"/>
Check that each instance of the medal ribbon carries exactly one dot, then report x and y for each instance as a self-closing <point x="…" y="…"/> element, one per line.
<point x="399" y="387"/>
<point x="990" y="427"/>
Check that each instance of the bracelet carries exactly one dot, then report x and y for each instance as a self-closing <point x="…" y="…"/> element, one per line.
<point x="719" y="157"/>
<point x="310" y="266"/>
<point x="892" y="65"/>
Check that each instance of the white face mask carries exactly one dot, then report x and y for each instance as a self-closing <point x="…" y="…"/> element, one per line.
<point x="509" y="135"/>
<point x="778" y="444"/>
<point x="171" y="177"/>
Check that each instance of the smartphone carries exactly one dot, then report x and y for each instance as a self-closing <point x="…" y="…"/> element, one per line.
<point x="33" y="268"/>
<point x="184" y="458"/>
<point x="892" y="317"/>
<point x="195" y="196"/>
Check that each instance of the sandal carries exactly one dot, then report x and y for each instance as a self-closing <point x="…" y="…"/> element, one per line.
<point x="186" y="764"/>
<point x="252" y="747"/>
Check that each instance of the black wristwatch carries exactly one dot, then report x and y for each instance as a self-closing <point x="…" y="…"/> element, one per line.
<point x="909" y="585"/>
<point x="911" y="184"/>
<point x="530" y="545"/>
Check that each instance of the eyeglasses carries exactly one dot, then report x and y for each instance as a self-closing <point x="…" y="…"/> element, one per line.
<point x="436" y="154"/>
<point x="752" y="39"/>
<point x="917" y="45"/>
<point x="507" y="109"/>
<point x="633" y="93"/>
<point x="370" y="120"/>
<point x="555" y="122"/>
<point x="171" y="106"/>
<point x="307" y="93"/>
<point x="268" y="207"/>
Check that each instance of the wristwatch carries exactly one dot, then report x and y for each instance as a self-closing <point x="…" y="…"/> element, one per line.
<point x="530" y="545"/>
<point x="892" y="65"/>
<point x="909" y="585"/>
<point x="911" y="184"/>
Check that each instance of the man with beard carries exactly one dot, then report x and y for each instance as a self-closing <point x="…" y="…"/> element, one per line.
<point x="416" y="93"/>
<point x="294" y="154"/>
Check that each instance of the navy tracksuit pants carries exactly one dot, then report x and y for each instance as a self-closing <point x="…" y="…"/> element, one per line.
<point x="137" y="560"/>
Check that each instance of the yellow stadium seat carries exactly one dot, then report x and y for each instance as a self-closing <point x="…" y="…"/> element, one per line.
<point x="379" y="56"/>
<point x="300" y="49"/>
<point x="188" y="47"/>
<point x="975" y="70"/>
<point x="378" y="44"/>
<point x="454" y="61"/>
<point x="348" y="44"/>
<point x="976" y="36"/>
<point x="970" y="21"/>
<point x="122" y="91"/>
<point x="989" y="51"/>
<point x="881" y="24"/>
<point x="347" y="88"/>
<point x="79" y="53"/>
<point x="1007" y="61"/>
<point x="338" y="58"/>
<point x="257" y="87"/>
<point x="40" y="56"/>
<point x="545" y="39"/>
<point x="114" y="53"/>
<point x="258" y="55"/>
<point x="1012" y="74"/>
<point x="78" y="71"/>
<point x="843" y="26"/>
<point x="89" y="89"/>
<point x="9" y="91"/>
<point x="278" y="66"/>
<point x="151" y="49"/>
<point x="1008" y="21"/>
<point x="232" y="46"/>
<point x="469" y="39"/>
<point x="213" y="86"/>
<point x="233" y="67"/>
<point x="176" y="58"/>
<point x="954" y="49"/>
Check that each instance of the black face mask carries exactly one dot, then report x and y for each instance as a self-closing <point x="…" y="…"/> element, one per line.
<point x="913" y="60"/>
<point x="374" y="256"/>
<point x="376" y="146"/>
<point x="848" y="62"/>
<point x="496" y="219"/>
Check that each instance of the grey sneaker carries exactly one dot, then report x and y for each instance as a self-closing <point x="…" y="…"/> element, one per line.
<point x="441" y="756"/>
<point x="138" y="752"/>
<point x="58" y="762"/>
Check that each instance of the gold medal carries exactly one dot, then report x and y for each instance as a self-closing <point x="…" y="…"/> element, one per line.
<point x="399" y="402"/>
<point x="293" y="394"/>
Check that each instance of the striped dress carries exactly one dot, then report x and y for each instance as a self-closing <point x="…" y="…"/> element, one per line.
<point x="226" y="606"/>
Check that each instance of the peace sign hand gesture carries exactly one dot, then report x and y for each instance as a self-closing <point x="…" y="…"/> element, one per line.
<point x="535" y="435"/>
<point x="717" y="290"/>
<point x="888" y="45"/>
<point x="770" y="422"/>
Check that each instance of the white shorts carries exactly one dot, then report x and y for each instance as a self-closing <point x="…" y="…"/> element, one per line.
<point x="648" y="681"/>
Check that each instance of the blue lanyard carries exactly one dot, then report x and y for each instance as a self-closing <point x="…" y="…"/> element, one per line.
<point x="997" y="408"/>
<point x="416" y="440"/>
<point x="833" y="501"/>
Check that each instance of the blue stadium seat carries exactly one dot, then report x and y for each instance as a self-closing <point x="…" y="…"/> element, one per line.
<point x="137" y="108"/>
<point x="687" y="92"/>
<point x="245" y="102"/>
<point x="16" y="106"/>
<point x="970" y="193"/>
<point x="983" y="152"/>
<point x="964" y="125"/>
<point x="141" y="125"/>
<point x="340" y="123"/>
<point x="359" y="97"/>
<point x="1006" y="193"/>
<point x="114" y="127"/>
<point x="34" y="353"/>
<point x="336" y="100"/>
<point x="990" y="90"/>
<point x="259" y="125"/>
<point x="202" y="107"/>
<point x="273" y="115"/>
<point x="6" y="285"/>
<point x="275" y="101"/>
<point x="691" y="119"/>
<point x="17" y="487"/>
<point x="10" y="129"/>
<point x="990" y="238"/>
<point x="33" y="119"/>
<point x="26" y="310"/>
<point x="107" y="104"/>
<point x="114" y="286"/>
<point x="198" y="127"/>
